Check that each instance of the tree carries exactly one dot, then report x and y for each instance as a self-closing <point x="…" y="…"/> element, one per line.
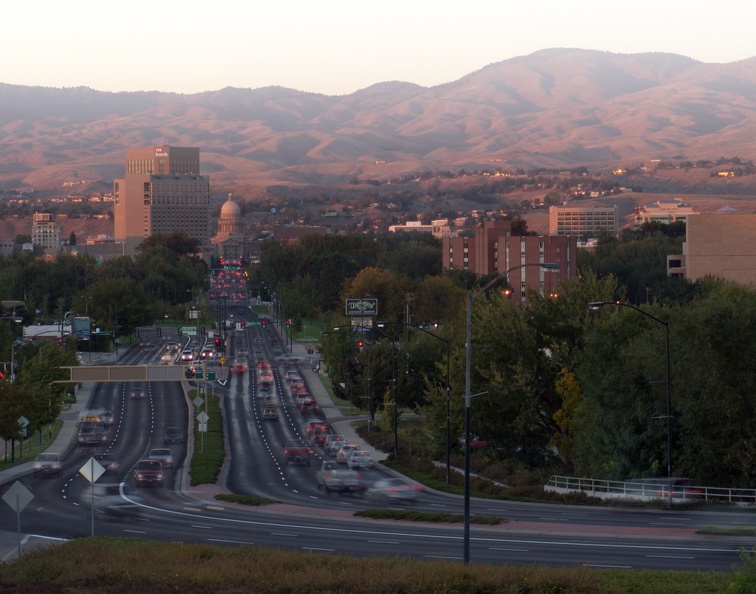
<point x="72" y="238"/>
<point x="178" y="242"/>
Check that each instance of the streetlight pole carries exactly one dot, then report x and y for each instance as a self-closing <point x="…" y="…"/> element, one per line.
<point x="594" y="305"/>
<point x="468" y="372"/>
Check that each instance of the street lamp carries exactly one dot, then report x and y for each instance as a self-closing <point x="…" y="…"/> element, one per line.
<point x="468" y="368"/>
<point x="594" y="305"/>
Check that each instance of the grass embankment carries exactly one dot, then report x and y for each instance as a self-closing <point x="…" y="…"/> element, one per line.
<point x="106" y="565"/>
<point x="209" y="448"/>
<point x="32" y="446"/>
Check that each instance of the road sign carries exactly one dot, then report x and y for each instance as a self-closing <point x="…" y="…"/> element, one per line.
<point x="92" y="470"/>
<point x="18" y="497"/>
<point x="199" y="374"/>
<point x="189" y="330"/>
<point x="253" y="323"/>
<point x="211" y="376"/>
<point x="203" y="417"/>
<point x="23" y="422"/>
<point x="203" y="428"/>
<point x="198" y="401"/>
<point x="222" y="360"/>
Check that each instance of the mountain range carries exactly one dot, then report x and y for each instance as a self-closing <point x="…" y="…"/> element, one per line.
<point x="553" y="108"/>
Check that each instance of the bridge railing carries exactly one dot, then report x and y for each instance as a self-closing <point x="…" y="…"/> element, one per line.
<point x="648" y="489"/>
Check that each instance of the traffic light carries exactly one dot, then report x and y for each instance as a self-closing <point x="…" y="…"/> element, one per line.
<point x="360" y="344"/>
<point x="288" y="323"/>
<point x="264" y="323"/>
<point x="217" y="344"/>
<point x="243" y="323"/>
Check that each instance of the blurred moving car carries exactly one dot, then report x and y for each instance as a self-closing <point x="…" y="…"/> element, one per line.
<point x="163" y="455"/>
<point x="108" y="500"/>
<point x="47" y="464"/>
<point x="240" y="366"/>
<point x="109" y="462"/>
<point x="270" y="413"/>
<point x="137" y="393"/>
<point x="360" y="459"/>
<point x="394" y="490"/>
<point x="107" y="417"/>
<point x="187" y="355"/>
<point x="173" y="435"/>
<point x="148" y="472"/>
<point x="345" y="452"/>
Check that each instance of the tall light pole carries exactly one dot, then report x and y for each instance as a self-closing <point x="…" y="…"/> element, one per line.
<point x="598" y="304"/>
<point x="468" y="369"/>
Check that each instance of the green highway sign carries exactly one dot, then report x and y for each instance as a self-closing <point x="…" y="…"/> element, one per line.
<point x="211" y="376"/>
<point x="199" y="374"/>
<point x="189" y="330"/>
<point x="253" y="323"/>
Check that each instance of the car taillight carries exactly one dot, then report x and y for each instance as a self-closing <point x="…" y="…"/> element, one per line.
<point x="357" y="475"/>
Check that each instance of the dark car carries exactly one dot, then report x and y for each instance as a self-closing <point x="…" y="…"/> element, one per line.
<point x="47" y="465"/>
<point x="173" y="435"/>
<point x="109" y="462"/>
<point x="148" y="472"/>
<point x="270" y="413"/>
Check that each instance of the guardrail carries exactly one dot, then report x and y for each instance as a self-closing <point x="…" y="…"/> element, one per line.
<point x="646" y="490"/>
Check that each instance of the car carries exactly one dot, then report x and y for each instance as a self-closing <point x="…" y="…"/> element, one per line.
<point x="319" y="434"/>
<point x="333" y="443"/>
<point x="360" y="459"/>
<point x="308" y="405"/>
<point x="162" y="455"/>
<point x="240" y="366"/>
<point x="292" y="374"/>
<point x="109" y="501"/>
<point x="394" y="490"/>
<point x="242" y="353"/>
<point x="270" y="413"/>
<point x="313" y="424"/>
<point x="107" y="418"/>
<point x="207" y="353"/>
<point x="47" y="464"/>
<point x="137" y="393"/>
<point x="173" y="435"/>
<point x="148" y="472"/>
<point x="298" y="451"/>
<point x="345" y="451"/>
<point x="263" y="391"/>
<point x="109" y="462"/>
<point x="187" y="355"/>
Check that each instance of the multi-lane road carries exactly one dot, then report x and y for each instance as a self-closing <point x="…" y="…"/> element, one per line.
<point x="311" y="520"/>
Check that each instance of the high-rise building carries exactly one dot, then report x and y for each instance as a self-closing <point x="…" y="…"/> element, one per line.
<point x="494" y="250"/>
<point x="162" y="192"/>
<point x="584" y="221"/>
<point x="45" y="231"/>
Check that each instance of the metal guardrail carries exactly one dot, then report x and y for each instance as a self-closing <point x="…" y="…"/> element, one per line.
<point x="648" y="490"/>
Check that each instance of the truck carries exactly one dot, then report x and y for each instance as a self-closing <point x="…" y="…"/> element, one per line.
<point x="298" y="451"/>
<point x="92" y="434"/>
<point x="332" y="477"/>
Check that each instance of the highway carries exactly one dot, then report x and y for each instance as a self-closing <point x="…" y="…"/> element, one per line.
<point x="306" y="518"/>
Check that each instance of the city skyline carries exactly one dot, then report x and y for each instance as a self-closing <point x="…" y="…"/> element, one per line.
<point x="337" y="47"/>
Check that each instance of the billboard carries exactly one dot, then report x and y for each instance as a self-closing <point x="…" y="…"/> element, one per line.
<point x="82" y="327"/>
<point x="361" y="307"/>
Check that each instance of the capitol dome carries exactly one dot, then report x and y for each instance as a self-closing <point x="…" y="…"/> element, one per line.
<point x="229" y="222"/>
<point x="230" y="209"/>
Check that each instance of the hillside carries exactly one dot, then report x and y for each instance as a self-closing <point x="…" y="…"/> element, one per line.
<point x="555" y="108"/>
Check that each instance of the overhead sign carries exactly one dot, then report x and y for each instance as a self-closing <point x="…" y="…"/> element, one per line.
<point x="362" y="307"/>
<point x="189" y="330"/>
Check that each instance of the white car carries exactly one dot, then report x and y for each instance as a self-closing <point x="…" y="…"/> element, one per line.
<point x="360" y="459"/>
<point x="345" y="451"/>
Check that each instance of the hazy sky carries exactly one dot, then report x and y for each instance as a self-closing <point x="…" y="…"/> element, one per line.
<point x="338" y="46"/>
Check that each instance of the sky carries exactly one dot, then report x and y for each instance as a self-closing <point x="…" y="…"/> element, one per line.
<point x="336" y="47"/>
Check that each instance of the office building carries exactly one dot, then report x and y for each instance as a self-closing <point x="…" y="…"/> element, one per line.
<point x="162" y="192"/>
<point x="494" y="250"/>
<point x="584" y="221"/>
<point x="45" y="231"/>
<point x="720" y="245"/>
<point x="664" y="212"/>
